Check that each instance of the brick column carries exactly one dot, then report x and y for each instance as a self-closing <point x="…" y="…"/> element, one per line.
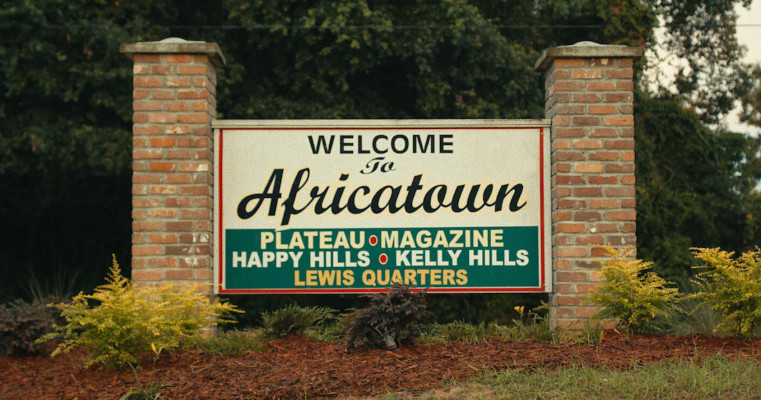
<point x="174" y="103"/>
<point x="590" y="101"/>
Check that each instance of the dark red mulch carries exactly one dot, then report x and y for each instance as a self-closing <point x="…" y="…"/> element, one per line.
<point x="296" y="367"/>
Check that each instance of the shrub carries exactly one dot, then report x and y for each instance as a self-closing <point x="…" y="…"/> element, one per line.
<point x="294" y="320"/>
<point x="21" y="323"/>
<point x="395" y="316"/>
<point x="232" y="343"/>
<point x="731" y="286"/>
<point x="119" y="322"/>
<point x="630" y="294"/>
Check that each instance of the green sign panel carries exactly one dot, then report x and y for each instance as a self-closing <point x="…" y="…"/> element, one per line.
<point x="354" y="207"/>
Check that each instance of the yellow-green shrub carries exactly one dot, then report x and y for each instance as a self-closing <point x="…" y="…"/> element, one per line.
<point x="119" y="322"/>
<point x="731" y="286"/>
<point x="630" y="294"/>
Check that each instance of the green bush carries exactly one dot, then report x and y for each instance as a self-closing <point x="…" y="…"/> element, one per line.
<point x="732" y="287"/>
<point x="232" y="343"/>
<point x="21" y="323"/>
<point x="294" y="320"/>
<point x="631" y="295"/>
<point x="119" y="322"/>
<point x="396" y="316"/>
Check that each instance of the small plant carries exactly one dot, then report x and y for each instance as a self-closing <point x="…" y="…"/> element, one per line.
<point x="294" y="320"/>
<point x="731" y="286"/>
<point x="21" y="323"/>
<point x="631" y="295"/>
<point x="396" y="316"/>
<point x="119" y="322"/>
<point x="232" y="343"/>
<point x="533" y="326"/>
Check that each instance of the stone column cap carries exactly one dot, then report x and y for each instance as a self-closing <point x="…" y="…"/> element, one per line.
<point x="586" y="50"/>
<point x="175" y="46"/>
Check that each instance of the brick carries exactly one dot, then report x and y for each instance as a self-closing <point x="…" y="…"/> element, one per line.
<point x="162" y="118"/>
<point x="193" y="118"/>
<point x="195" y="190"/>
<point x="569" y="86"/>
<point x="159" y="69"/>
<point x="571" y="204"/>
<point x="146" y="154"/>
<point x="569" y="62"/>
<point x="178" y="201"/>
<point x="627" y="156"/>
<point x="603" y="227"/>
<point x="604" y="132"/>
<point x="146" y="82"/>
<point x="163" y="213"/>
<point x="162" y="189"/>
<point x="629" y="215"/>
<point x="146" y="226"/>
<point x="178" y="274"/>
<point x="625" y="85"/>
<point x="620" y="191"/>
<point x="146" y="130"/>
<point x="624" y="144"/>
<point x="599" y="86"/>
<point x="192" y="70"/>
<point x="604" y="156"/>
<point x="570" y="228"/>
<point x="620" y="73"/>
<point x="163" y="94"/>
<point x="161" y="166"/>
<point x="177" y="106"/>
<point x="192" y="94"/>
<point x="179" y="130"/>
<point x="618" y="121"/>
<point x="177" y="154"/>
<point x="602" y="109"/>
<point x="586" y="98"/>
<point x="163" y="238"/>
<point x="587" y="216"/>
<point x="586" y="121"/>
<point x="179" y="179"/>
<point x="586" y="73"/>
<point x="602" y="179"/>
<point x="561" y="167"/>
<point x="179" y="226"/>
<point x="599" y="252"/>
<point x="562" y="265"/>
<point x="160" y="262"/>
<point x="588" y="168"/>
<point x="203" y="274"/>
<point x="571" y="276"/>
<point x="177" y="82"/>
<point x="146" y="250"/>
<point x="590" y="240"/>
<point x="587" y="144"/>
<point x="587" y="192"/>
<point x="559" y="216"/>
<point x="623" y="97"/>
<point x="569" y="300"/>
<point x="146" y="202"/>
<point x="161" y="142"/>
<point x="177" y="58"/>
<point x="569" y="180"/>
<point x="619" y="168"/>
<point x="146" y="58"/>
<point x="195" y="214"/>
<point x="603" y="203"/>
<point x="178" y="250"/>
<point x="147" y="178"/>
<point x="563" y="288"/>
<point x="143" y="275"/>
<point x="570" y="109"/>
<point x="571" y="252"/>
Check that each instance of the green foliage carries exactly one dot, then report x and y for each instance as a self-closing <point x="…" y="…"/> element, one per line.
<point x="21" y="323"/>
<point x="149" y="391"/>
<point x="731" y="286"/>
<point x="631" y="295"/>
<point x="119" y="322"/>
<point x="694" y="187"/>
<point x="294" y="320"/>
<point x="396" y="316"/>
<point x="233" y="343"/>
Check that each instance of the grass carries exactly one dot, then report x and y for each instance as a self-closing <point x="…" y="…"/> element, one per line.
<point x="232" y="343"/>
<point x="709" y="378"/>
<point x="463" y="332"/>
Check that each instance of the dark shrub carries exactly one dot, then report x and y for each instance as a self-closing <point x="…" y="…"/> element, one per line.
<point x="21" y="323"/>
<point x="395" y="316"/>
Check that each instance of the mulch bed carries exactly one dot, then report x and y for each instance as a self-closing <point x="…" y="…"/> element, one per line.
<point x="296" y="367"/>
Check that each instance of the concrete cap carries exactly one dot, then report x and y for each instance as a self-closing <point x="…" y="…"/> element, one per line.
<point x="586" y="50"/>
<point x="175" y="46"/>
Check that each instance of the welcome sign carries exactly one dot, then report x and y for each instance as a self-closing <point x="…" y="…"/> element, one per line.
<point x="356" y="206"/>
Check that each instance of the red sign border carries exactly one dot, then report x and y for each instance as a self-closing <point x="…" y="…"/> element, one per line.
<point x="540" y="289"/>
